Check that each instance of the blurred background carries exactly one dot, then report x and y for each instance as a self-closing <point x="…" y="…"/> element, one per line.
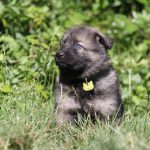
<point x="30" y="31"/>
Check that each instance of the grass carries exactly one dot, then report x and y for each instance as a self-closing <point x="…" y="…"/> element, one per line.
<point x="27" y="123"/>
<point x="29" y="36"/>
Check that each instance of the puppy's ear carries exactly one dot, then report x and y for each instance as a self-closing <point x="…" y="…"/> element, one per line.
<point x="102" y="39"/>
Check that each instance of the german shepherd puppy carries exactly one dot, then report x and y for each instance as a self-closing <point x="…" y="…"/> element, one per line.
<point x="87" y="84"/>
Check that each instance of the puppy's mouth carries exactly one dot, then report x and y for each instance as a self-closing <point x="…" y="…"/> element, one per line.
<point x="61" y="64"/>
<point x="71" y="65"/>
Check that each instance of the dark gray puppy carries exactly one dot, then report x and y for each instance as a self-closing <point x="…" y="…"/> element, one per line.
<point x="87" y="84"/>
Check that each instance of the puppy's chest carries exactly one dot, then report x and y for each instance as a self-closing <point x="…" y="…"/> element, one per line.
<point x="80" y="94"/>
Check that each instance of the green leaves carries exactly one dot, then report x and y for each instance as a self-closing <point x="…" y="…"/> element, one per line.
<point x="1" y="8"/>
<point x="40" y="89"/>
<point x="10" y="42"/>
<point x="122" y="22"/>
<point x="5" y="88"/>
<point x="144" y="2"/>
<point x="31" y="30"/>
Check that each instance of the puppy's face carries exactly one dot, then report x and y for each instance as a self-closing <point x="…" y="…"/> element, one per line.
<point x="82" y="49"/>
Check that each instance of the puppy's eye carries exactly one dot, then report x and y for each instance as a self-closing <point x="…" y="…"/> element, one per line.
<point x="78" y="46"/>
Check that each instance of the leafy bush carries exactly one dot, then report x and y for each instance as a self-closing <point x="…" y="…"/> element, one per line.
<point x="30" y="32"/>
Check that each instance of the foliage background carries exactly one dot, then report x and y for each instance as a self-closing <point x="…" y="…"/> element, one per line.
<point x="30" y="31"/>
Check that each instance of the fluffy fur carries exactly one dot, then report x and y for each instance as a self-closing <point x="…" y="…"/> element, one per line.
<point x="83" y="56"/>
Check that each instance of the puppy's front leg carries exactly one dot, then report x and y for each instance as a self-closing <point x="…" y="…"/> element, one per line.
<point x="67" y="110"/>
<point x="66" y="107"/>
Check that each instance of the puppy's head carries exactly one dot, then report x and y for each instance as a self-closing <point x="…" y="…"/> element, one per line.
<point x="83" y="52"/>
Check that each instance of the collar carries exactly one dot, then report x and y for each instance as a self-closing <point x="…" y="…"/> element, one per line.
<point x="87" y="82"/>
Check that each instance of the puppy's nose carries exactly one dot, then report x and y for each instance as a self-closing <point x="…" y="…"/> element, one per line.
<point x="60" y="55"/>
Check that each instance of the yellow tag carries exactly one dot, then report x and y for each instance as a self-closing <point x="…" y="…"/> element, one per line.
<point x="88" y="86"/>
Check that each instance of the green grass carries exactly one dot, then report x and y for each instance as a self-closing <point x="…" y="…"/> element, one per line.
<point x="30" y="31"/>
<point x="27" y="122"/>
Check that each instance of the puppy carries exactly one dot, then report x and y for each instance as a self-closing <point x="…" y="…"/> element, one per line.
<point x="87" y="84"/>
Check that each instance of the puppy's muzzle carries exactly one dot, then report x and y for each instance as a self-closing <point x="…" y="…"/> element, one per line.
<point x="60" y="55"/>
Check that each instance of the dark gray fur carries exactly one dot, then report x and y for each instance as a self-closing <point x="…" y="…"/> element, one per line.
<point x="86" y="60"/>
